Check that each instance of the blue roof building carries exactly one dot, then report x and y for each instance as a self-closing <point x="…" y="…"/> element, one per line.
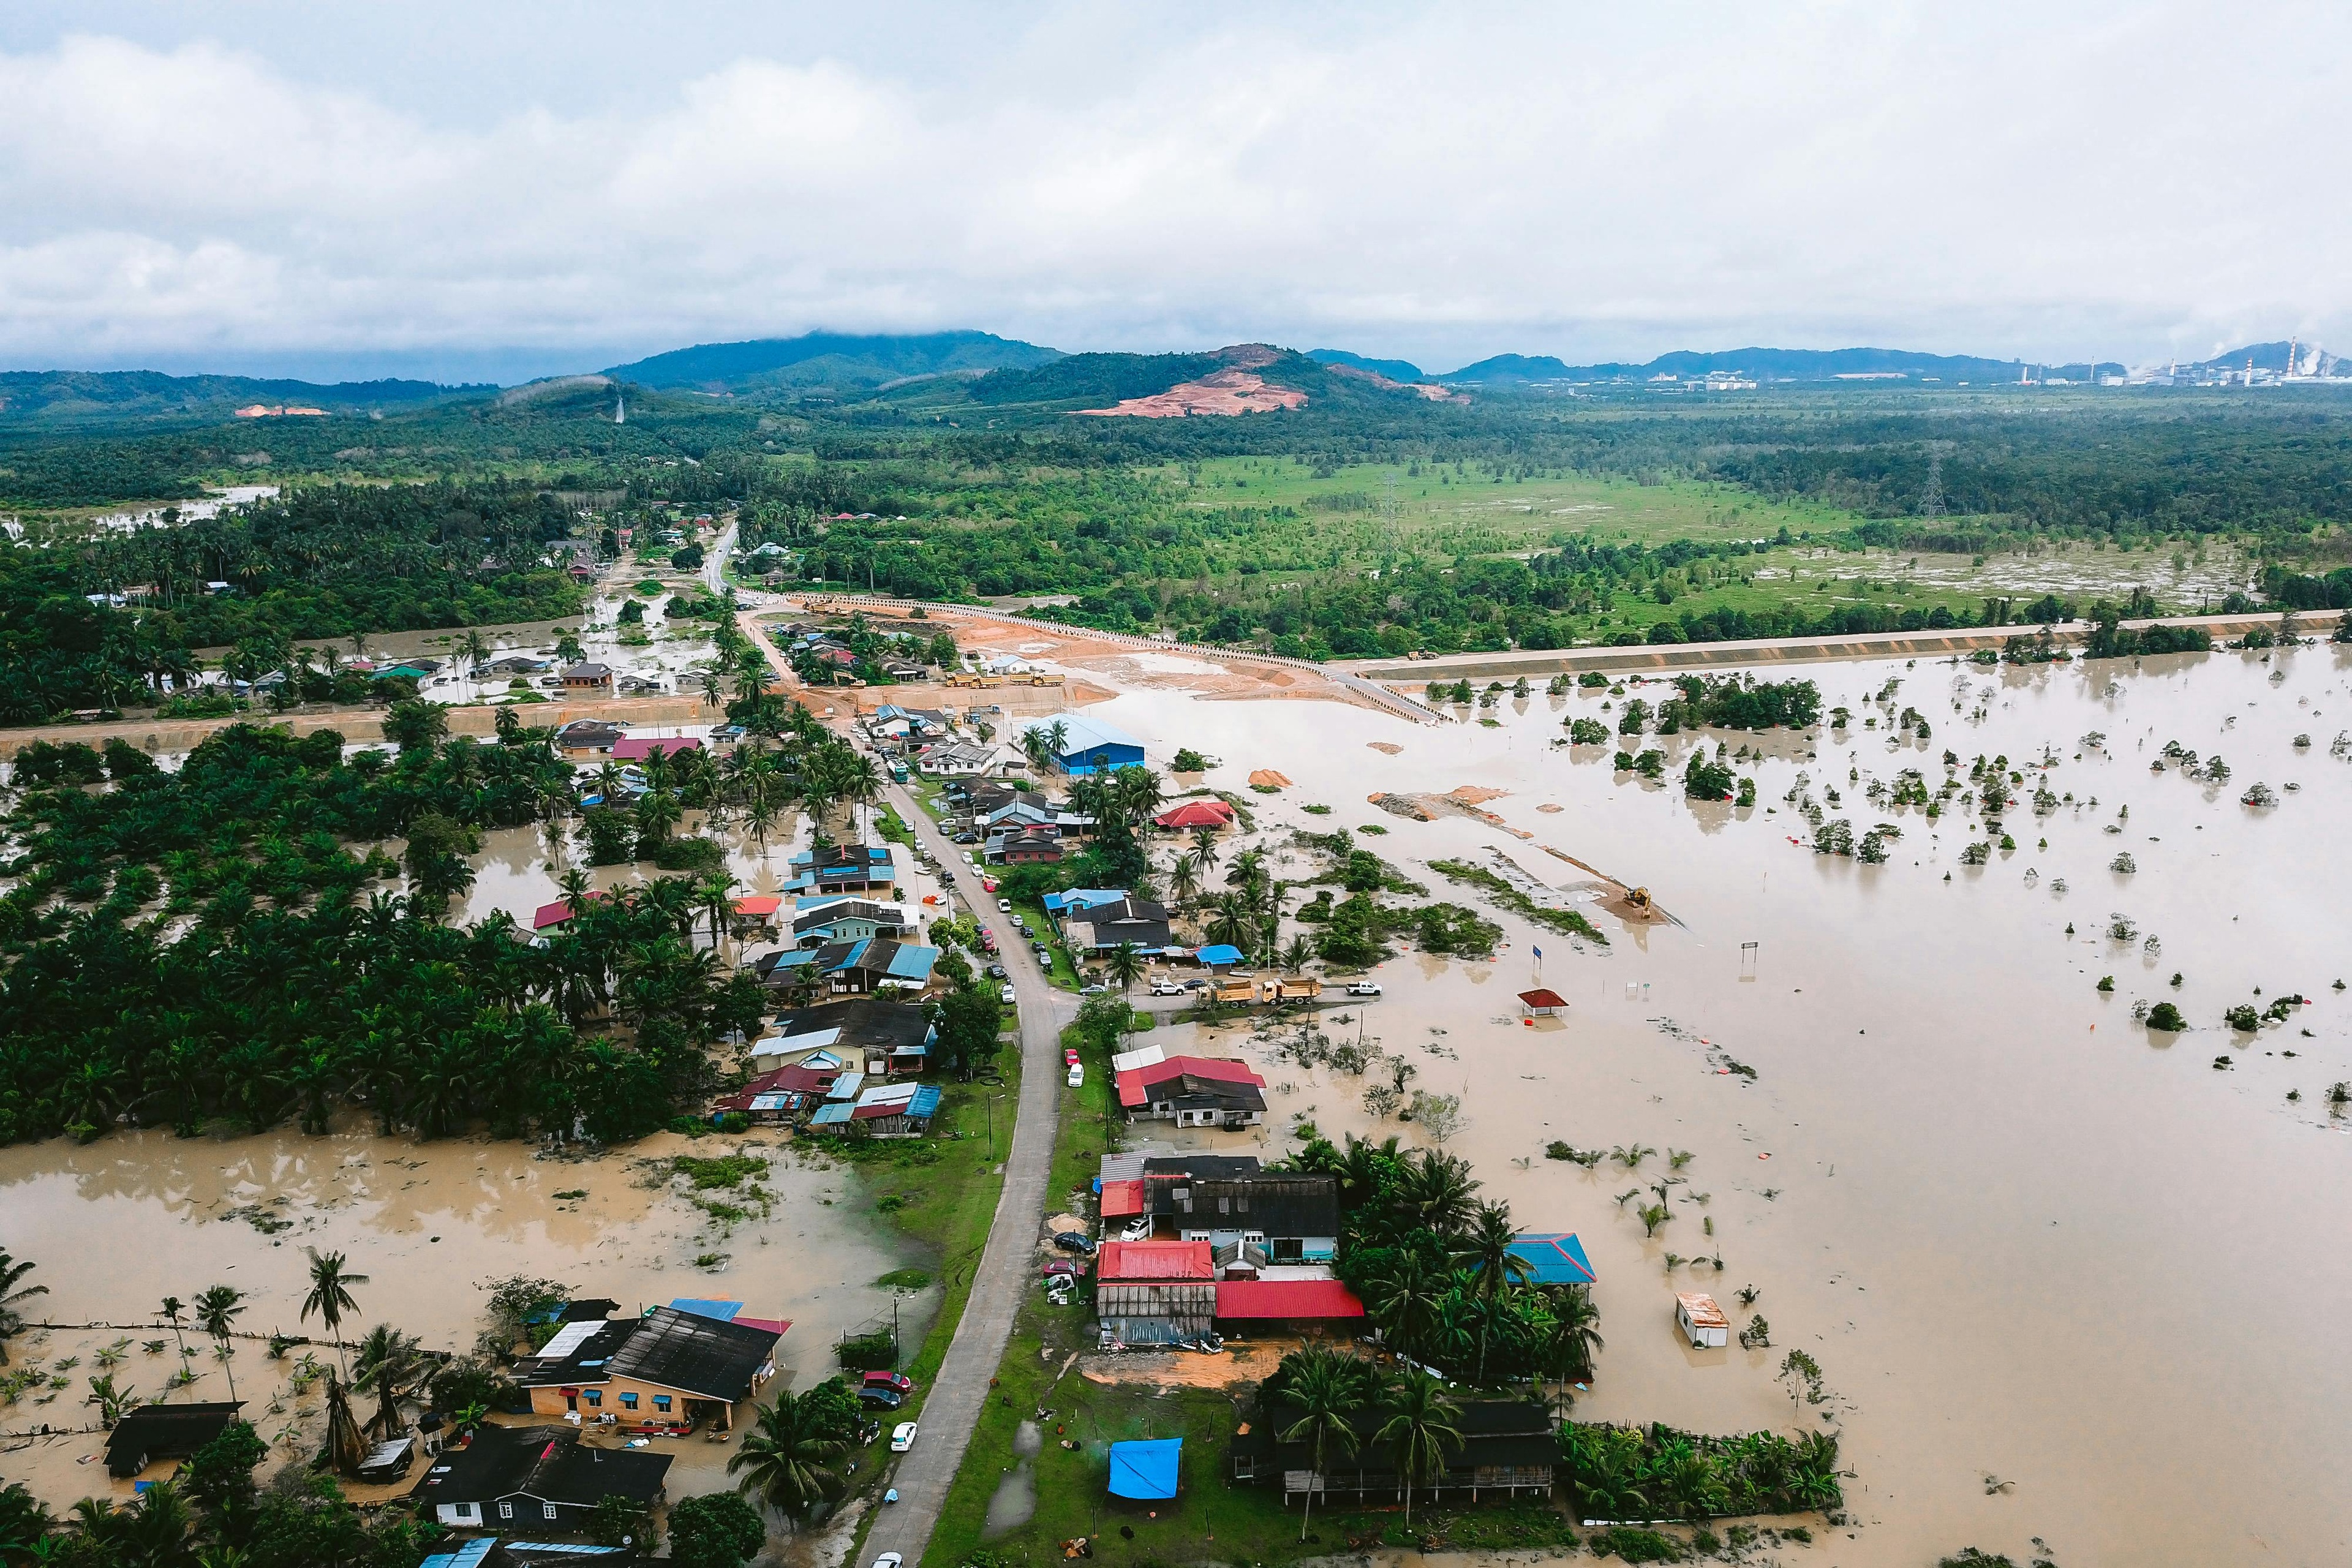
<point x="1553" y="1257"/>
<point x="1089" y="745"/>
<point x="1082" y="899"/>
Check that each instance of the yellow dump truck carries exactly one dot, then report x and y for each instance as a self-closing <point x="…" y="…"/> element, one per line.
<point x="1226" y="988"/>
<point x="1289" y="988"/>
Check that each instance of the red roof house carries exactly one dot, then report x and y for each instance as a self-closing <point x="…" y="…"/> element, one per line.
<point x="637" y="748"/>
<point x="1122" y="1200"/>
<point x="1287" y="1299"/>
<point x="556" y="913"/>
<point x="1197" y="813"/>
<point x="1135" y="1261"/>
<point x="1135" y="1084"/>
<point x="1543" y="1004"/>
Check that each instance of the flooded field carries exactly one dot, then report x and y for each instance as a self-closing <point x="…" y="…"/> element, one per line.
<point x="2059" y="1270"/>
<point x="119" y="1223"/>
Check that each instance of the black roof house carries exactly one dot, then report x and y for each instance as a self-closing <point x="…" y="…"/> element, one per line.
<point x="703" y="1356"/>
<point x="155" y="1432"/>
<point x="1203" y="1189"/>
<point x="530" y="1475"/>
<point x="1508" y="1445"/>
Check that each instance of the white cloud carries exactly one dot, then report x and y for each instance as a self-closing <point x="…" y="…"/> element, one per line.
<point x="1440" y="184"/>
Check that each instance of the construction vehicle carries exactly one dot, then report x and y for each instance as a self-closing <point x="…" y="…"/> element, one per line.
<point x="1039" y="678"/>
<point x="973" y="678"/>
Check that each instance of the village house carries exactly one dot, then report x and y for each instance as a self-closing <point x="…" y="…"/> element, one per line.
<point x="155" y="1432"/>
<point x="841" y="868"/>
<point x="665" y="1367"/>
<point x="530" y="1478"/>
<point x="1154" y="1292"/>
<point x="1130" y="921"/>
<point x="1024" y="849"/>
<point x="1509" y="1447"/>
<point x="858" y="968"/>
<point x="637" y="748"/>
<point x="880" y="1110"/>
<point x="844" y="917"/>
<point x="961" y="759"/>
<point x="588" y="679"/>
<point x="1195" y="814"/>
<point x="589" y="737"/>
<point x="885" y="1038"/>
<point x="1194" y="1091"/>
<point x="1243" y="1211"/>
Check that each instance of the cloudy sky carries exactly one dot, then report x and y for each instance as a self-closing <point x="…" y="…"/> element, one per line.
<point x="503" y="189"/>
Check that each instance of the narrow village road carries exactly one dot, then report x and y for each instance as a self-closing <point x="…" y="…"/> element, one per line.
<point x="1007" y="1269"/>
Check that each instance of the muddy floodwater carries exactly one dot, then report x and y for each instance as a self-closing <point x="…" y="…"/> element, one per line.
<point x="2065" y="1278"/>
<point x="118" y="1225"/>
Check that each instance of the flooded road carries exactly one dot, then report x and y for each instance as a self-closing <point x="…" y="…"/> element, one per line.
<point x="2061" y="1272"/>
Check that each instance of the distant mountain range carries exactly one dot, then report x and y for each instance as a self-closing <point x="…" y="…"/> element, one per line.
<point x="831" y="359"/>
<point x="1755" y="364"/>
<point x="944" y="370"/>
<point x="88" y="396"/>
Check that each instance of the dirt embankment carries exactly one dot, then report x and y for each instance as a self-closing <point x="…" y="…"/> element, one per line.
<point x="361" y="724"/>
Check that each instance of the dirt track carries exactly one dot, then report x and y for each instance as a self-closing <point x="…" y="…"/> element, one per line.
<point x="361" y="723"/>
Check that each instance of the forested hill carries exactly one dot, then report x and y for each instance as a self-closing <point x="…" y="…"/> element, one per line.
<point x="831" y="360"/>
<point x="101" y="396"/>
<point x="1098" y="380"/>
<point x="1758" y="363"/>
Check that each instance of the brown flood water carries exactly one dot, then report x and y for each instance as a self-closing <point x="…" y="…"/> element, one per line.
<point x="2065" y="1276"/>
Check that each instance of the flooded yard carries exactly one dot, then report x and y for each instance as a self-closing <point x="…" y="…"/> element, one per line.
<point x="2058" y="1270"/>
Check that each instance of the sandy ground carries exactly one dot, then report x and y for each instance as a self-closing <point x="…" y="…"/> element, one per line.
<point x="1219" y="392"/>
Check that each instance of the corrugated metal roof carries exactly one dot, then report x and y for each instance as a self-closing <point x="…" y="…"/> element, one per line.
<point x="1287" y="1299"/>
<point x="832" y="1115"/>
<point x="1149" y="1260"/>
<point x="1122" y="1200"/>
<point x="1553" y="1257"/>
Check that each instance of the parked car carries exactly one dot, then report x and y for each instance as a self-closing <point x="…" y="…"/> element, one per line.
<point x="988" y="884"/>
<point x="1009" y="996"/>
<point x="888" y="1399"/>
<point x="1097" y="989"/>
<point x="967" y="837"/>
<point x="890" y="1560"/>
<point x="1166" y="988"/>
<point x="1362" y="988"/>
<point x="1063" y="1268"/>
<point x="1069" y="1055"/>
<point x="1077" y="1074"/>
<point x="1003" y="906"/>
<point x="1074" y="1241"/>
<point x="903" y="1439"/>
<point x="1044" y="954"/>
<point x="898" y="1382"/>
<point x="1137" y="1229"/>
<point x="996" y="972"/>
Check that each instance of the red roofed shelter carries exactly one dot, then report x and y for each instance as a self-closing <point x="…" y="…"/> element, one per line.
<point x="1196" y="814"/>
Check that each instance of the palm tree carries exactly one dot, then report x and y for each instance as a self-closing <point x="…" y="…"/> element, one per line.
<point x="1125" y="965"/>
<point x="217" y="1310"/>
<point x="1438" y="1188"/>
<point x="1231" y="922"/>
<point x="1407" y="1301"/>
<point x="387" y="1363"/>
<point x="787" y="1459"/>
<point x="171" y="1309"/>
<point x="1577" y="1330"/>
<point x="331" y="1295"/>
<point x="1419" y="1431"/>
<point x="11" y="1292"/>
<point x="1495" y="1267"/>
<point x="714" y="690"/>
<point x="1328" y="1389"/>
<point x="1184" y="879"/>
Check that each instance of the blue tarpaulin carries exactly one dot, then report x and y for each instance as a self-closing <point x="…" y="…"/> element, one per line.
<point x="1146" y="1470"/>
<point x="1222" y="953"/>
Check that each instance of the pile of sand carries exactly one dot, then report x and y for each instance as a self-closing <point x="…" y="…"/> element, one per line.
<point x="1403" y="805"/>
<point x="1548" y="809"/>
<point x="1474" y="794"/>
<point x="1267" y="778"/>
<point x="1390" y="747"/>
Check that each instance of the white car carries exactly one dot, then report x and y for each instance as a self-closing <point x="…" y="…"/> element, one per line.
<point x="902" y="1437"/>
<point x="1077" y="1074"/>
<point x="1137" y="1229"/>
<point x="1362" y="988"/>
<point x="1007" y="996"/>
<point x="889" y="1560"/>
<point x="1005" y="905"/>
<point x="1166" y="988"/>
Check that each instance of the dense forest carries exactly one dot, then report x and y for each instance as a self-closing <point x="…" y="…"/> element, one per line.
<point x="451" y="514"/>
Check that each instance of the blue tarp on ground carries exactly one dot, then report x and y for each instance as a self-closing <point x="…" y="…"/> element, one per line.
<point x="1220" y="953"/>
<point x="1146" y="1470"/>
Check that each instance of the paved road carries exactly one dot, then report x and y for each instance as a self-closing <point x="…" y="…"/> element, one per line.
<point x="1007" y="1268"/>
<point x="714" y="562"/>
